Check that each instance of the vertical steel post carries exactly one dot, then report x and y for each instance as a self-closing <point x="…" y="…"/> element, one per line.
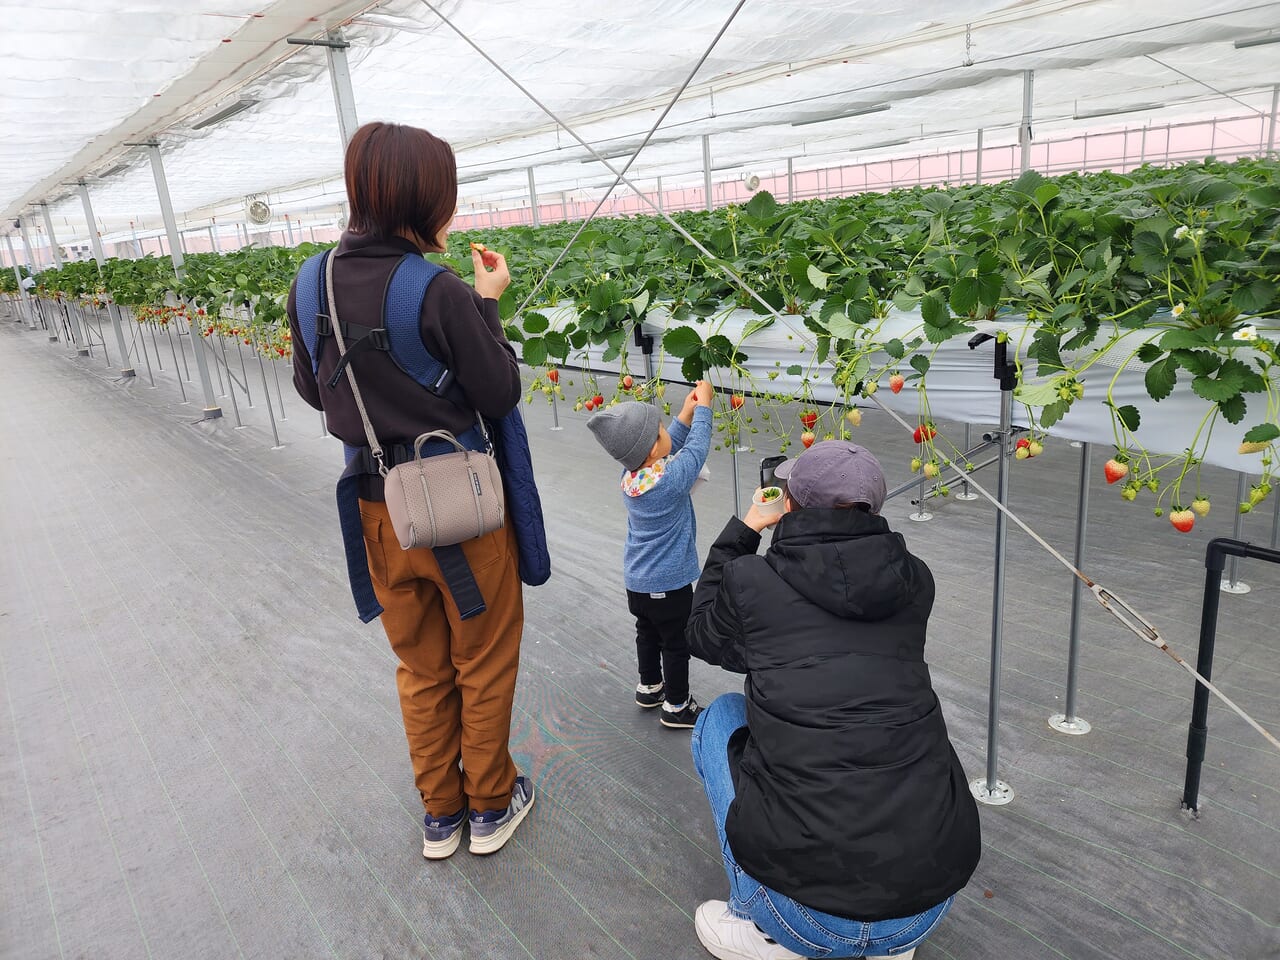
<point x="1230" y="584"/>
<point x="534" y="212"/>
<point x="1271" y="128"/>
<point x="51" y="327"/>
<point x="211" y="410"/>
<point x="1067" y="721"/>
<point x="53" y="240"/>
<point x="977" y="177"/>
<point x="965" y="493"/>
<point x="113" y="311"/>
<point x="288" y="226"/>
<point x="661" y="198"/>
<point x="706" y="169"/>
<point x="791" y="179"/>
<point x="1024" y="126"/>
<point x="344" y="99"/>
<point x="79" y="330"/>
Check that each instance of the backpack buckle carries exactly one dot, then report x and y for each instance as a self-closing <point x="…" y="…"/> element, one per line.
<point x="324" y="325"/>
<point x="443" y="383"/>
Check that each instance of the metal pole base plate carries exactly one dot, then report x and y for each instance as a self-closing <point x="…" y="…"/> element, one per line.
<point x="1075" y="726"/>
<point x="80" y="352"/>
<point x="557" y="428"/>
<point x="126" y="374"/>
<point x="1238" y="587"/>
<point x="997" y="797"/>
<point x="968" y="496"/>
<point x="211" y="413"/>
<point x="920" y="516"/>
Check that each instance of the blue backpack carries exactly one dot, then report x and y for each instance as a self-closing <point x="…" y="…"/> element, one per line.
<point x="400" y="335"/>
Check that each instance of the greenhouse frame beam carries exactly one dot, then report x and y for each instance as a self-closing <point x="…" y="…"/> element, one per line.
<point x="344" y="98"/>
<point x="1271" y="128"/>
<point x="533" y="200"/>
<point x="126" y="371"/>
<point x="53" y="240"/>
<point x="211" y="410"/>
<point x="706" y="169"/>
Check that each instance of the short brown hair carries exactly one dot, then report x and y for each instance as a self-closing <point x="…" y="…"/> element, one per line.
<point x="400" y="178"/>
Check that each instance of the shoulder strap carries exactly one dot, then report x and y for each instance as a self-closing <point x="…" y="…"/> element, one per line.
<point x="401" y="313"/>
<point x="375" y="448"/>
<point x="307" y="304"/>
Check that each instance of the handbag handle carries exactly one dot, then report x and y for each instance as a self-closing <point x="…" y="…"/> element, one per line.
<point x="438" y="435"/>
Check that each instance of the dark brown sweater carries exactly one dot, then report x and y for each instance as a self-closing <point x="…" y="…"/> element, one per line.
<point x="459" y="327"/>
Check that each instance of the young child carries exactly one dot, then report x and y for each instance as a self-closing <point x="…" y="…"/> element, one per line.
<point x="660" y="558"/>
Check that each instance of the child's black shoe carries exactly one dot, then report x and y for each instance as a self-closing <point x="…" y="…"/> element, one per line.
<point x="650" y="698"/>
<point x="683" y="719"/>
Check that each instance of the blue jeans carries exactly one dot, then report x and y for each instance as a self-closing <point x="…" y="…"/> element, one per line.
<point x="800" y="929"/>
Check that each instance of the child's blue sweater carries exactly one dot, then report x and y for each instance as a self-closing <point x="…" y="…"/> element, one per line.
<point x="661" y="552"/>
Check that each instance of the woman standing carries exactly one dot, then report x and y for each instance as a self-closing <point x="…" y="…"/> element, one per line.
<point x="457" y="671"/>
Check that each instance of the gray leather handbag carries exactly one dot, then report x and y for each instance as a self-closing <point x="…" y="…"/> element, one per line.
<point x="439" y="500"/>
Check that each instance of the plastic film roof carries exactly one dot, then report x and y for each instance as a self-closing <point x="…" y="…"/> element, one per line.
<point x="944" y="68"/>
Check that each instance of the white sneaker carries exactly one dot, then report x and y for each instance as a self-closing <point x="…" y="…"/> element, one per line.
<point x="900" y="956"/>
<point x="728" y="937"/>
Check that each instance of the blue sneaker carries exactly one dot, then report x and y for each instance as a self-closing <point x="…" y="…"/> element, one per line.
<point x="491" y="829"/>
<point x="441" y="836"/>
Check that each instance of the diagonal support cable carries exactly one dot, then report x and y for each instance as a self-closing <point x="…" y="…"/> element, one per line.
<point x="1115" y="606"/>
<point x="621" y="176"/>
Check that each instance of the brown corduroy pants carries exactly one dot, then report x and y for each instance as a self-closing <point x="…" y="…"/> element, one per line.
<point x="457" y="678"/>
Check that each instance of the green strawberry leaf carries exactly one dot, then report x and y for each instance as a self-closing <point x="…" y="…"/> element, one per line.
<point x="1262" y="433"/>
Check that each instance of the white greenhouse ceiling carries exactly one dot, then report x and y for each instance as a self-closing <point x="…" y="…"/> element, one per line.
<point x="813" y="81"/>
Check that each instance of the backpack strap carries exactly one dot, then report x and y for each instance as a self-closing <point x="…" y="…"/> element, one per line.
<point x="401" y="310"/>
<point x="307" y="304"/>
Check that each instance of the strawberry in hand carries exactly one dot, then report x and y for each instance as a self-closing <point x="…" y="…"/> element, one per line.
<point x="487" y="257"/>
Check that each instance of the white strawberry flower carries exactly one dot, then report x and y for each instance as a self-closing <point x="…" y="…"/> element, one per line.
<point x="1181" y="232"/>
<point x="1247" y="333"/>
<point x="1179" y="309"/>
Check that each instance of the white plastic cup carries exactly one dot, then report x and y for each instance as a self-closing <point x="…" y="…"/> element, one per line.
<point x="770" y="508"/>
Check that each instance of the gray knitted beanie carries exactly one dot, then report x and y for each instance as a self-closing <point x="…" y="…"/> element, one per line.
<point x="627" y="432"/>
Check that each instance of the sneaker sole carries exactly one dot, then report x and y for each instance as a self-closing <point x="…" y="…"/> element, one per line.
<point x="442" y="849"/>
<point x="484" y="846"/>
<point x="648" y="706"/>
<point x="678" y="724"/>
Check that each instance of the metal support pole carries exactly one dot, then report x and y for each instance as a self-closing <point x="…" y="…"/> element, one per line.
<point x="126" y="368"/>
<point x="244" y="373"/>
<point x="1067" y="721"/>
<point x="921" y="515"/>
<point x="344" y="100"/>
<point x="231" y="384"/>
<point x="791" y="179"/>
<point x="271" y="413"/>
<point x="288" y="226"/>
<point x="989" y="789"/>
<point x="555" y="412"/>
<point x="965" y="493"/>
<point x="706" y="172"/>
<point x="1271" y="128"/>
<point x="211" y="410"/>
<point x="1275" y="522"/>
<point x="1231" y="584"/>
<point x="737" y="494"/>
<point x="275" y="373"/>
<point x="661" y="199"/>
<point x="213" y="238"/>
<point x="977" y="178"/>
<point x="31" y="265"/>
<point x="533" y="200"/>
<point x="23" y="295"/>
<point x="181" y="386"/>
<point x="53" y="240"/>
<point x="1024" y="127"/>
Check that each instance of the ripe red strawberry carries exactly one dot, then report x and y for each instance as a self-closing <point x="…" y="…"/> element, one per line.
<point x="1022" y="443"/>
<point x="924" y="432"/>
<point x="736" y="401"/>
<point x="807" y="438"/>
<point x="809" y="418"/>
<point x="599" y="400"/>
<point x="627" y="382"/>
<point x="1115" y="470"/>
<point x="896" y="381"/>
<point x="553" y="376"/>
<point x="590" y="405"/>
<point x="1182" y="519"/>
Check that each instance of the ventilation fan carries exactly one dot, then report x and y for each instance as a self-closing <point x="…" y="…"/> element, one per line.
<point x="259" y="211"/>
<point x="340" y="221"/>
<point x="752" y="183"/>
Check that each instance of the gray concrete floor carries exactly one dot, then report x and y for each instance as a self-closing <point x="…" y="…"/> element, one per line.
<point x="201" y="752"/>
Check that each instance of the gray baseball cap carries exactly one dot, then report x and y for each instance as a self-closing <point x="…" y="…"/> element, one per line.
<point x="627" y="431"/>
<point x="834" y="473"/>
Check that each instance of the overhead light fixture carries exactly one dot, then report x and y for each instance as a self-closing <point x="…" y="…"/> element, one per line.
<point x="1257" y="41"/>
<point x="476" y="178"/>
<point x="842" y="115"/>
<point x="888" y="143"/>
<point x="226" y="113"/>
<point x="1113" y="111"/>
<point x="118" y="168"/>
